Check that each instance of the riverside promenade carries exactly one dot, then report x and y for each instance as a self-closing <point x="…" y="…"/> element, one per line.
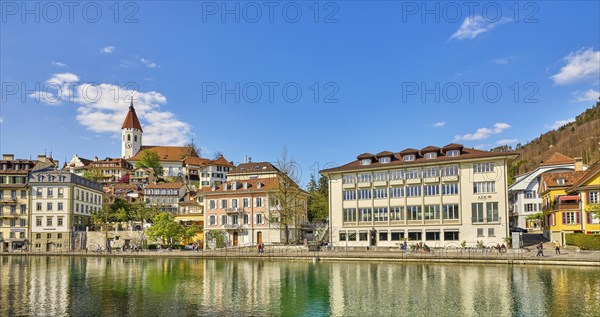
<point x="569" y="256"/>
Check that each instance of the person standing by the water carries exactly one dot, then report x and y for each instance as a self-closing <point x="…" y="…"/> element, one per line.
<point x="540" y="249"/>
<point x="556" y="247"/>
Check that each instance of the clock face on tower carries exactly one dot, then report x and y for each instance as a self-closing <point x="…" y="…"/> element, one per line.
<point x="128" y="145"/>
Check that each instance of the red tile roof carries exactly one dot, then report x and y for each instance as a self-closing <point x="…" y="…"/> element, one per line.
<point x="589" y="173"/>
<point x="167" y="153"/>
<point x="253" y="168"/>
<point x="165" y="185"/>
<point x="557" y="159"/>
<point x="268" y="184"/>
<point x="570" y="177"/>
<point x="131" y="120"/>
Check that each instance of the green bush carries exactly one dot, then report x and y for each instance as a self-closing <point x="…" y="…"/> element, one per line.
<point x="583" y="241"/>
<point x="152" y="247"/>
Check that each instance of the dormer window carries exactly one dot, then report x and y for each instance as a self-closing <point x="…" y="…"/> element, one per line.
<point x="409" y="157"/>
<point x="560" y="181"/>
<point x="385" y="160"/>
<point x="430" y="155"/>
<point x="453" y="153"/>
<point x="365" y="162"/>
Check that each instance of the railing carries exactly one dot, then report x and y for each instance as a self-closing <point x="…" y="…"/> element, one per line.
<point x="8" y="200"/>
<point x="566" y="206"/>
<point x="234" y="210"/>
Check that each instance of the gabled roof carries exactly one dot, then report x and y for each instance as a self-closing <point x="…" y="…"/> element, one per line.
<point x="588" y="174"/>
<point x="430" y="148"/>
<point x="557" y="158"/>
<point x="409" y="151"/>
<point x="197" y="161"/>
<point x="131" y="120"/>
<point x="551" y="179"/>
<point x="384" y="154"/>
<point x="165" y="186"/>
<point x="252" y="185"/>
<point x="167" y="153"/>
<point x="365" y="156"/>
<point x="222" y="161"/>
<point x="453" y="146"/>
<point x="253" y="168"/>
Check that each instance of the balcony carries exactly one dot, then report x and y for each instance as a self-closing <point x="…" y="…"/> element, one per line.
<point x="8" y="200"/>
<point x="564" y="206"/>
<point x="234" y="210"/>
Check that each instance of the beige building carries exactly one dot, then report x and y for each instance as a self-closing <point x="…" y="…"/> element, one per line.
<point x="61" y="204"/>
<point x="439" y="196"/>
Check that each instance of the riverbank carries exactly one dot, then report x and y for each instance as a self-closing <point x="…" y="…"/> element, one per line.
<point x="472" y="256"/>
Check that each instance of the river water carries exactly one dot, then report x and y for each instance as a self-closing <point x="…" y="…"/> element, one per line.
<point x="91" y="286"/>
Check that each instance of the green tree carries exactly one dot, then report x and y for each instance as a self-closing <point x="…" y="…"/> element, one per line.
<point x="93" y="174"/>
<point x="218" y="236"/>
<point x="164" y="229"/>
<point x="150" y="159"/>
<point x="318" y="201"/>
<point x="118" y="211"/>
<point x="187" y="234"/>
<point x="594" y="209"/>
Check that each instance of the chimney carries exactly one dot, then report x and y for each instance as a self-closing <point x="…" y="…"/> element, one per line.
<point x="8" y="157"/>
<point x="578" y="164"/>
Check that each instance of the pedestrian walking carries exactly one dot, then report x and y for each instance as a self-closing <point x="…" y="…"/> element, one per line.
<point x="259" y="247"/>
<point x="540" y="249"/>
<point x="556" y="247"/>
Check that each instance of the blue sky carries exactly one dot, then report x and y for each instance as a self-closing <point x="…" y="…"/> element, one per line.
<point x="390" y="75"/>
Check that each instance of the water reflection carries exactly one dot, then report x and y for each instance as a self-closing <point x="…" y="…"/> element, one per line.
<point x="62" y="286"/>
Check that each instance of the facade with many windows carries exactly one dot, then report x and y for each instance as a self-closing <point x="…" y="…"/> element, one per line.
<point x="165" y="196"/>
<point x="439" y="196"/>
<point x="61" y="204"/>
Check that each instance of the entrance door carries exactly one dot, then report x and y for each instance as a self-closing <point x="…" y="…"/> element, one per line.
<point x="235" y="239"/>
<point x="49" y="246"/>
<point x="259" y="237"/>
<point x="373" y="240"/>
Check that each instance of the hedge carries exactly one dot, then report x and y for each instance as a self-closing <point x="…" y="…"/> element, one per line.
<point x="583" y="241"/>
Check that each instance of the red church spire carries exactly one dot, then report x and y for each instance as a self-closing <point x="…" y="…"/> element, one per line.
<point x="131" y="121"/>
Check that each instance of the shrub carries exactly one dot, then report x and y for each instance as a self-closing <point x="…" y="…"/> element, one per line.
<point x="583" y="241"/>
<point x="152" y="247"/>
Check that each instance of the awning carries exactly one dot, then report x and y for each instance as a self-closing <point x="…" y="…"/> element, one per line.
<point x="571" y="197"/>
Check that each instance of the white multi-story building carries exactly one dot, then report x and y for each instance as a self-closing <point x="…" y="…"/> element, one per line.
<point x="439" y="196"/>
<point x="61" y="204"/>
<point x="203" y="172"/>
<point x="524" y="199"/>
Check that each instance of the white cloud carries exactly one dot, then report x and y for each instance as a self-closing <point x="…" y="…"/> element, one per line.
<point x="107" y="50"/>
<point x="482" y="146"/>
<point x="502" y="61"/>
<point x="588" y="95"/>
<point x="506" y="141"/>
<point x="59" y="64"/>
<point x="1" y="120"/>
<point x="559" y="123"/>
<point x="439" y="124"/>
<point x="475" y="26"/>
<point x="57" y="89"/>
<point x="148" y="63"/>
<point x="483" y="133"/>
<point x="581" y="65"/>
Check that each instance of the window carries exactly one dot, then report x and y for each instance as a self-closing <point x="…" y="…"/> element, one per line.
<point x="432" y="212"/>
<point x="365" y="161"/>
<point x="223" y="219"/>
<point x="349" y="215"/>
<point x="529" y="194"/>
<point x="432" y="236"/>
<point x="259" y="219"/>
<point x="385" y="160"/>
<point x="570" y="218"/>
<point x="38" y="235"/>
<point x="61" y="192"/>
<point x="50" y="192"/>
<point x="397" y="235"/>
<point x="414" y="235"/>
<point x="380" y="176"/>
<point x="364" y="194"/>
<point x="246" y="219"/>
<point x="38" y="221"/>
<point x="413" y="173"/>
<point x="450" y="189"/>
<point x="13" y="222"/>
<point x="484" y="187"/>
<point x="480" y="232"/>
<point x="351" y="235"/>
<point x="414" y="213"/>
<point x="483" y="167"/>
<point x="223" y="203"/>
<point x="39" y="192"/>
<point x="349" y="194"/>
<point x="60" y="221"/>
<point x="383" y="235"/>
<point x="491" y="232"/>
<point x="430" y="155"/>
<point x="23" y="209"/>
<point x="396" y="175"/>
<point x="48" y="236"/>
<point x="48" y="221"/>
<point x="396" y="213"/>
<point x="477" y="212"/>
<point x="560" y="181"/>
<point x="245" y="202"/>
<point x="492" y="212"/>
<point x="364" y="177"/>
<point x="379" y="193"/>
<point x="593" y="197"/>
<point x="396" y="192"/>
<point x="349" y="179"/>
<point x="413" y="191"/>
<point x="13" y="194"/>
<point x="450" y="211"/>
<point x="451" y="235"/>
<point x="258" y="202"/>
<point x="365" y="214"/>
<point x="59" y="206"/>
<point x="212" y="220"/>
<point x="530" y="207"/>
<point x="343" y="235"/>
<point x="235" y="219"/>
<point x="409" y="157"/>
<point x="362" y="236"/>
<point x="380" y="214"/>
<point x="49" y="207"/>
<point x="431" y="190"/>
<point x="453" y="153"/>
<point x="430" y="172"/>
<point x="234" y="203"/>
<point x="449" y="170"/>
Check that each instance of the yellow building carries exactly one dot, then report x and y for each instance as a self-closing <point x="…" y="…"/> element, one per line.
<point x="565" y="197"/>
<point x="190" y="213"/>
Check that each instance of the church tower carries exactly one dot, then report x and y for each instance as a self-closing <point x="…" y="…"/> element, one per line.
<point x="131" y="134"/>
